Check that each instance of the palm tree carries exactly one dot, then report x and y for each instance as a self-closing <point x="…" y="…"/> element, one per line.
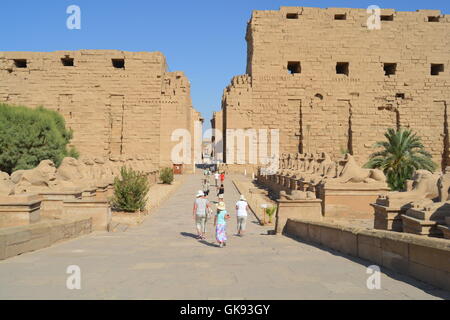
<point x="402" y="154"/>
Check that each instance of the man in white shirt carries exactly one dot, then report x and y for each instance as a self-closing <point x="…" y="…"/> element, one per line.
<point x="241" y="213"/>
<point x="217" y="177"/>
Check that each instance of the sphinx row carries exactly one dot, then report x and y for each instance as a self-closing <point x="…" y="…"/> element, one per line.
<point x="315" y="168"/>
<point x="423" y="209"/>
<point x="77" y="188"/>
<point x="347" y="190"/>
<point x="344" y="187"/>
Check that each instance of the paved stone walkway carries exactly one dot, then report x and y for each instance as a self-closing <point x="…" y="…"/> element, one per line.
<point x="161" y="260"/>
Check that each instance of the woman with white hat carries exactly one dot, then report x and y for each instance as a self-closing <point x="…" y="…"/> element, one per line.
<point x="221" y="224"/>
<point x="241" y="213"/>
<point x="199" y="213"/>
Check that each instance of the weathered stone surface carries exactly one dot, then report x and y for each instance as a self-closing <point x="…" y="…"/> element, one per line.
<point x="416" y="202"/>
<point x="19" y="211"/>
<point x="36" y="180"/>
<point x="98" y="210"/>
<point x="6" y="185"/>
<point x="352" y="172"/>
<point x="343" y="99"/>
<point x="386" y="218"/>
<point x="300" y="208"/>
<point x="113" y="110"/>
<point x="419" y="226"/>
<point x="69" y="176"/>
<point x="424" y="185"/>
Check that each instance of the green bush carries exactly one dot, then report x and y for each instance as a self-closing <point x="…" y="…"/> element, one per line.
<point x="400" y="155"/>
<point x="28" y="136"/>
<point x="130" y="191"/>
<point x="166" y="175"/>
<point x="270" y="211"/>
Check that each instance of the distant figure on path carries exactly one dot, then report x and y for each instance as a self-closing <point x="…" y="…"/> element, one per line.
<point x="241" y="214"/>
<point x="209" y="176"/>
<point x="221" y="224"/>
<point x="217" y="177"/>
<point x="221" y="191"/>
<point x="199" y="213"/>
<point x="222" y="177"/>
<point x="206" y="187"/>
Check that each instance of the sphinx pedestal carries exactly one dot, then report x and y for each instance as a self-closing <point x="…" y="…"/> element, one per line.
<point x="426" y="220"/>
<point x="349" y="200"/>
<point x="19" y="210"/>
<point x="420" y="227"/>
<point x="297" y="209"/>
<point x="387" y="218"/>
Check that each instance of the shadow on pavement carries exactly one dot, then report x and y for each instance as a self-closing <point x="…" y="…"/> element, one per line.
<point x="188" y="234"/>
<point x="194" y="236"/>
<point x="209" y="244"/>
<point x="428" y="288"/>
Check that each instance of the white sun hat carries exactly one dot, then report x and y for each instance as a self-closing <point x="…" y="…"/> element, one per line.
<point x="221" y="206"/>
<point x="242" y="198"/>
<point x="200" y="193"/>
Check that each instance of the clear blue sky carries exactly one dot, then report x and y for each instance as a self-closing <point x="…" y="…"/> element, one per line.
<point x="205" y="39"/>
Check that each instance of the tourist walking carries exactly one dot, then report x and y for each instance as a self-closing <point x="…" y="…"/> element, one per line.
<point x="221" y="191"/>
<point x="217" y="177"/>
<point x="200" y="214"/>
<point x="220" y="221"/>
<point x="209" y="176"/>
<point x="241" y="214"/>
<point x="206" y="187"/>
<point x="222" y="177"/>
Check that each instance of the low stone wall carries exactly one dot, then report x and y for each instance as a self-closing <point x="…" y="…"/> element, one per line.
<point x="425" y="259"/>
<point x="74" y="208"/>
<point x="18" y="240"/>
<point x="97" y="210"/>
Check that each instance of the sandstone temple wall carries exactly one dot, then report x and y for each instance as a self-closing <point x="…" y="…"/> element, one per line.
<point x="384" y="79"/>
<point x="118" y="103"/>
